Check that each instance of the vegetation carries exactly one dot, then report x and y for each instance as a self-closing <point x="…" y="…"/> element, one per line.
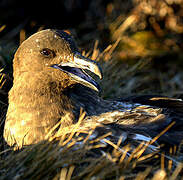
<point x="139" y="45"/>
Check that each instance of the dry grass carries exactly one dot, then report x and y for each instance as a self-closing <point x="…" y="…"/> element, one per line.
<point x="75" y="152"/>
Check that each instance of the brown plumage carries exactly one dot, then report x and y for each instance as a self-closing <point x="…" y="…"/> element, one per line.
<point x="50" y="85"/>
<point x="37" y="100"/>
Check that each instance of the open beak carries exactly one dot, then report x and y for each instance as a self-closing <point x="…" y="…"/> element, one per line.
<point x="76" y="67"/>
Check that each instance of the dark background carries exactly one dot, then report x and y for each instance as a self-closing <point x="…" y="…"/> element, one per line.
<point x="146" y="39"/>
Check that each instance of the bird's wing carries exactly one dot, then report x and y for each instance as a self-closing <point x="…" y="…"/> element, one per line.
<point x="155" y="100"/>
<point x="141" y="119"/>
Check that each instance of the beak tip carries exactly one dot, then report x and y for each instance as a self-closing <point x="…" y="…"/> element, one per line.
<point x="101" y="75"/>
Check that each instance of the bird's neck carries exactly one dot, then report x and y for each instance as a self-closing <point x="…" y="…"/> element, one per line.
<point x="36" y="105"/>
<point x="39" y="99"/>
<point x="34" y="109"/>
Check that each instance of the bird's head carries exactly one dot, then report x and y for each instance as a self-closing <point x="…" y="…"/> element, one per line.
<point x="54" y="52"/>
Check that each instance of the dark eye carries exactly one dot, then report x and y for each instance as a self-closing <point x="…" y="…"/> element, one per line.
<point x="47" y="53"/>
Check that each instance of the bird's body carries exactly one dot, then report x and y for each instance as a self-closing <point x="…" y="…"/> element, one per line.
<point x="50" y="85"/>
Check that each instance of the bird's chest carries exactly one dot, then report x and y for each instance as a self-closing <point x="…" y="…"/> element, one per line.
<point x="31" y="120"/>
<point x="42" y="111"/>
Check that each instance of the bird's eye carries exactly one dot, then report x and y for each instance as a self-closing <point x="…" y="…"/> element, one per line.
<point x="47" y="53"/>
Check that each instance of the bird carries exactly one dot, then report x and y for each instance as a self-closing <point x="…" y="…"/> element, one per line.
<point x="51" y="84"/>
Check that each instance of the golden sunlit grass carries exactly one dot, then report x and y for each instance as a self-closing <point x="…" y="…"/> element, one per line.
<point x="76" y="152"/>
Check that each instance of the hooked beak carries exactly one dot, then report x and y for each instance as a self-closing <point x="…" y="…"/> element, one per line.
<point x="76" y="67"/>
